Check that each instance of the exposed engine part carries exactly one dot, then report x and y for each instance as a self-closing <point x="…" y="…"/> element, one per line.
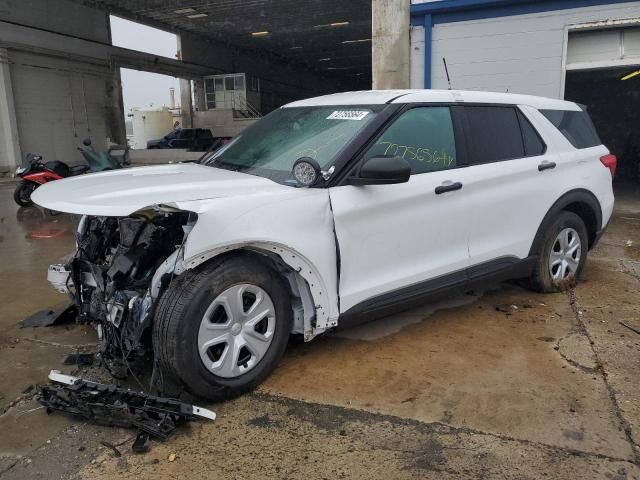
<point x="118" y="264"/>
<point x="117" y="407"/>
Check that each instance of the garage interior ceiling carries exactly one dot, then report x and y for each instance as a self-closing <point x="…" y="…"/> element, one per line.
<point x="333" y="36"/>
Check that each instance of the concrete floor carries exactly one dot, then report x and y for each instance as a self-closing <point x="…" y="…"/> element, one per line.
<point x="457" y="389"/>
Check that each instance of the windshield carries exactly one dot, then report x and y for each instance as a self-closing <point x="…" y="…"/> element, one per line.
<point x="270" y="147"/>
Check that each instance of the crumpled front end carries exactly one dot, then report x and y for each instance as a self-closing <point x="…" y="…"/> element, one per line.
<point x="117" y="274"/>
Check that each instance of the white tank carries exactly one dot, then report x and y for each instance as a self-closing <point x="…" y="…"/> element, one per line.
<point x="150" y="124"/>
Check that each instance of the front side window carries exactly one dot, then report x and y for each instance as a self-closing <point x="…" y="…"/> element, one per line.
<point x="495" y="134"/>
<point x="423" y="136"/>
<point x="270" y="147"/>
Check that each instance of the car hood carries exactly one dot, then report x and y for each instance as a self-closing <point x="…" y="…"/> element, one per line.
<point x="122" y="192"/>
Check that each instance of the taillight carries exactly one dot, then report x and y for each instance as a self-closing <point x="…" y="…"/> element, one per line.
<point x="610" y="161"/>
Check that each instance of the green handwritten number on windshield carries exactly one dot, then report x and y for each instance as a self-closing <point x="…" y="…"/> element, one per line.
<point x="419" y="154"/>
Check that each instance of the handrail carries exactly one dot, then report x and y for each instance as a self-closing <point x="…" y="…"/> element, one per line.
<point x="240" y="105"/>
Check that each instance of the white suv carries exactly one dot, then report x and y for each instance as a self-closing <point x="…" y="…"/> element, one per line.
<point x="327" y="212"/>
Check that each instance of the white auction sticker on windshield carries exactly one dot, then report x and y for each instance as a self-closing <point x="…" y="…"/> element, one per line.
<point x="348" y="115"/>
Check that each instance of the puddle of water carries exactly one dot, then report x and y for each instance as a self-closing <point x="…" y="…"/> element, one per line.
<point x="389" y="325"/>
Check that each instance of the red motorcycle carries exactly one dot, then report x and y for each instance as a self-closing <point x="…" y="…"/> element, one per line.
<point x="35" y="172"/>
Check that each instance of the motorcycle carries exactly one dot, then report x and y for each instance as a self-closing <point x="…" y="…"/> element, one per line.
<point x="35" y="172"/>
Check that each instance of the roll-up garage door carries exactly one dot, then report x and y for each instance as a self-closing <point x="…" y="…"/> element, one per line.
<point x="604" y="48"/>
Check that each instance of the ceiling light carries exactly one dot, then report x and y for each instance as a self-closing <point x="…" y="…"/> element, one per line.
<point x="324" y="59"/>
<point x="631" y="75"/>
<point x="198" y="15"/>
<point x="259" y="34"/>
<point x="295" y="48"/>
<point x="184" y="10"/>
<point x="334" y="24"/>
<point x="357" y="41"/>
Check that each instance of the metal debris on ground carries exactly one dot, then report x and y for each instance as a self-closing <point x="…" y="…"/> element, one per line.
<point x="47" y="318"/>
<point x="118" y="407"/>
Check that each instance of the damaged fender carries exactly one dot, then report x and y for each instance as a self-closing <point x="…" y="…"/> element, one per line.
<point x="306" y="243"/>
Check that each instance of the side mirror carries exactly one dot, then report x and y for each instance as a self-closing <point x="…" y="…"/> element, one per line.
<point x="383" y="170"/>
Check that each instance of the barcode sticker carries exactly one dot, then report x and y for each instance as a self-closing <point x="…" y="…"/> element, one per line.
<point x="348" y="115"/>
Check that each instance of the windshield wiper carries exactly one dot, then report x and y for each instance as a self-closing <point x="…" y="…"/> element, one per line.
<point x="227" y="166"/>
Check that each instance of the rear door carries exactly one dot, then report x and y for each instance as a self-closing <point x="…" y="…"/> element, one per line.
<point x="394" y="238"/>
<point x="514" y="182"/>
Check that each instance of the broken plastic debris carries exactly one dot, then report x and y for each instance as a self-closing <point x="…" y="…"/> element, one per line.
<point x="80" y="359"/>
<point x="46" y="318"/>
<point x="112" y="406"/>
<point x="141" y="443"/>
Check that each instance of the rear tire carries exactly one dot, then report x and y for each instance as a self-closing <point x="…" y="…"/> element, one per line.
<point x="186" y="310"/>
<point x="561" y="255"/>
<point x="22" y="193"/>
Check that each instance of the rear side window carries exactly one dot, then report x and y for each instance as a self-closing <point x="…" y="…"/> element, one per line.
<point x="423" y="136"/>
<point x="533" y="144"/>
<point x="576" y="126"/>
<point x="495" y="134"/>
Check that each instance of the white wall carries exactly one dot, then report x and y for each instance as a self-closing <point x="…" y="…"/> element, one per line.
<point x="522" y="53"/>
<point x="63" y="87"/>
<point x="58" y="103"/>
<point x="221" y="122"/>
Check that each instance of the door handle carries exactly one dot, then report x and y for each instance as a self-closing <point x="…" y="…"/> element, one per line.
<point x="546" y="166"/>
<point x="449" y="187"/>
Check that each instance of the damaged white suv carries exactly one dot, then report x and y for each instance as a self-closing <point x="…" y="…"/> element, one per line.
<point x="327" y="212"/>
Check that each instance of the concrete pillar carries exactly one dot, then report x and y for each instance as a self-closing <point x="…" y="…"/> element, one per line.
<point x="390" y="43"/>
<point x="198" y="86"/>
<point x="10" y="154"/>
<point x="186" y="107"/>
<point x="116" y="128"/>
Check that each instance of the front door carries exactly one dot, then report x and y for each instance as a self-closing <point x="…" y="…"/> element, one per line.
<point x="394" y="237"/>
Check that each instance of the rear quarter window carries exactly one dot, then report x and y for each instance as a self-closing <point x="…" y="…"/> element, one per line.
<point x="576" y="126"/>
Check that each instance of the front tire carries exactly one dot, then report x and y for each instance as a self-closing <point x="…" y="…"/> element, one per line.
<point x="221" y="330"/>
<point x="562" y="254"/>
<point x="22" y="193"/>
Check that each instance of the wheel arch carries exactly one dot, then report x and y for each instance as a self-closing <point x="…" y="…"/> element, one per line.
<point x="579" y="201"/>
<point x="311" y="297"/>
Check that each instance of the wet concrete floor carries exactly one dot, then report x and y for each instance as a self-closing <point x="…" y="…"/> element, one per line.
<point x="544" y="386"/>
